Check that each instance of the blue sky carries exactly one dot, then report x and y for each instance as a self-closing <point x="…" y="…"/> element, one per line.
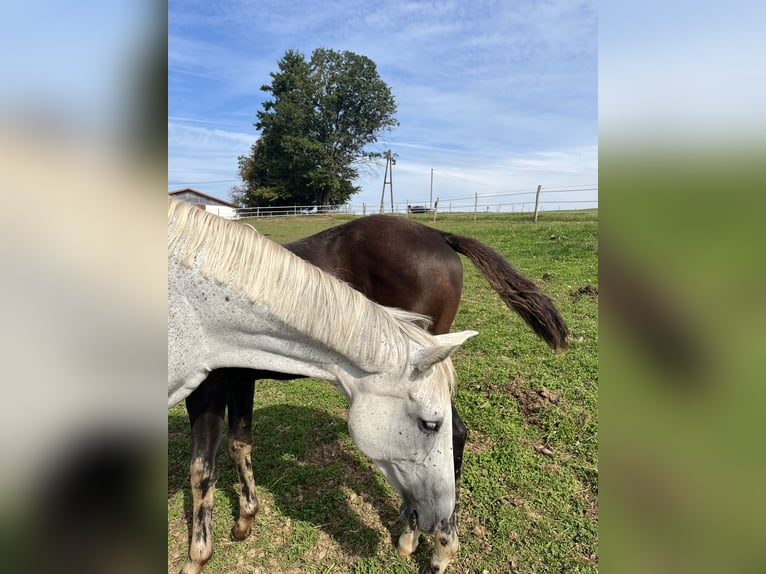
<point x="495" y="97"/>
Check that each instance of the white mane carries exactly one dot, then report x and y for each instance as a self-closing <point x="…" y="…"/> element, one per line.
<point x="299" y="294"/>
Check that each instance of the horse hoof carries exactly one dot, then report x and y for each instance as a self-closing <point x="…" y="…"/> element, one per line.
<point x="240" y="536"/>
<point x="191" y="568"/>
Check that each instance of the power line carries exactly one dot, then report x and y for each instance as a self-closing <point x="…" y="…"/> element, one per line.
<point x="201" y="182"/>
<point x="529" y="192"/>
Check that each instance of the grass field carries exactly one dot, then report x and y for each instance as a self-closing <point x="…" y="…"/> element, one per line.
<point x="529" y="497"/>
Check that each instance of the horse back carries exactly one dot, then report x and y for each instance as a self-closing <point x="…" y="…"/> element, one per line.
<point x="393" y="261"/>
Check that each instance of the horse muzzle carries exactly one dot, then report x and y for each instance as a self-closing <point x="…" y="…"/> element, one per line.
<point x="427" y="523"/>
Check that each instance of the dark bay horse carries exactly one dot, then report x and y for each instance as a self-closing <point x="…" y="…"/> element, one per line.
<point x="395" y="262"/>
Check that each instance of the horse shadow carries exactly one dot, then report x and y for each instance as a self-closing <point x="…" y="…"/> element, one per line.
<point x="300" y="457"/>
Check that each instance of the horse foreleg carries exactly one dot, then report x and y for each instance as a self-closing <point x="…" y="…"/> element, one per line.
<point x="446" y="547"/>
<point x="206" y="407"/>
<point x="248" y="503"/>
<point x="239" y="399"/>
<point x="201" y="545"/>
<point x="408" y="540"/>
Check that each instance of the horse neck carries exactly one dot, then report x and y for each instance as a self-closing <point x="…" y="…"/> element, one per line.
<point x="214" y="326"/>
<point x="304" y="298"/>
<point x="298" y="293"/>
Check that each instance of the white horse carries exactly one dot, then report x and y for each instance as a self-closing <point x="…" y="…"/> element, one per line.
<point x="237" y="299"/>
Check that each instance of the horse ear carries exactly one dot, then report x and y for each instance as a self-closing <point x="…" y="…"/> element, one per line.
<point x="427" y="357"/>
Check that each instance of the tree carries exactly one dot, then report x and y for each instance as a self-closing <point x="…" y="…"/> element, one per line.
<point x="315" y="130"/>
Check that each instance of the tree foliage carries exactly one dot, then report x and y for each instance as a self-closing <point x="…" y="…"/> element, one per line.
<point x="322" y="115"/>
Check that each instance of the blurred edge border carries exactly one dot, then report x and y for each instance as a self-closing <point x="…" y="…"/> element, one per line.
<point x="681" y="179"/>
<point x="681" y="341"/>
<point x="84" y="477"/>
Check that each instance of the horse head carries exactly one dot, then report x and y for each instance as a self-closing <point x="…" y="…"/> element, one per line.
<point x="402" y="421"/>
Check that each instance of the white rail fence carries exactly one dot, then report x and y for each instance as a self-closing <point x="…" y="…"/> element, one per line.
<point x="514" y="202"/>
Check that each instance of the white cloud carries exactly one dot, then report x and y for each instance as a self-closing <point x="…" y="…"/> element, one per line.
<point x="205" y="158"/>
<point x="458" y="181"/>
<point x="206" y="138"/>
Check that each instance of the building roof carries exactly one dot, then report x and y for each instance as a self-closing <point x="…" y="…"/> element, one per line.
<point x="203" y="195"/>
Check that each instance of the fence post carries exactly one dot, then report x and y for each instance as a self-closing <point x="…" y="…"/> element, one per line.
<point x="475" y="204"/>
<point x="436" y="207"/>
<point x="537" y="200"/>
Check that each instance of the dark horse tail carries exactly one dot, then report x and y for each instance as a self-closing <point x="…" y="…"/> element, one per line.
<point x="518" y="292"/>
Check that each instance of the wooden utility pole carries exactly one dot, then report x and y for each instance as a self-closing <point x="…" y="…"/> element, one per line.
<point x="388" y="176"/>
<point x="391" y="178"/>
<point x="537" y="200"/>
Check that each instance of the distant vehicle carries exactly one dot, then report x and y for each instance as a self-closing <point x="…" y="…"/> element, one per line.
<point x="417" y="209"/>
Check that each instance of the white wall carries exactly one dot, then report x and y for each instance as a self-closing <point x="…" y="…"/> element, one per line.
<point x="223" y="211"/>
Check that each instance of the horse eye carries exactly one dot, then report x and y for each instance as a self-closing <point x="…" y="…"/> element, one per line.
<point x="429" y="426"/>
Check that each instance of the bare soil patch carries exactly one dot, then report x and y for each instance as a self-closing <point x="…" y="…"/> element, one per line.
<point x="532" y="401"/>
<point x="586" y="291"/>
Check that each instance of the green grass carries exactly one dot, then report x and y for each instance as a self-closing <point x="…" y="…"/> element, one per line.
<point x="530" y="476"/>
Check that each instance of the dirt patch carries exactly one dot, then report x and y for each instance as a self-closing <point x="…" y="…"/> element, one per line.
<point x="478" y="443"/>
<point x="326" y="545"/>
<point x="532" y="401"/>
<point x="587" y="291"/>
